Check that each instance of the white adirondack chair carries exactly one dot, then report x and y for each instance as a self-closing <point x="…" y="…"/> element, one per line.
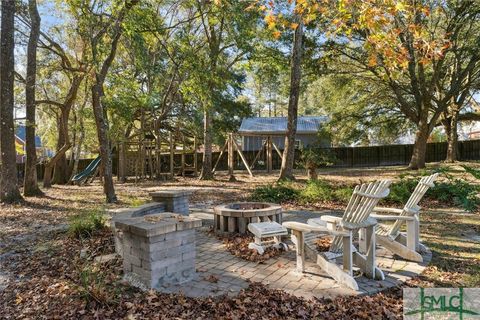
<point x="356" y="216"/>
<point x="406" y="245"/>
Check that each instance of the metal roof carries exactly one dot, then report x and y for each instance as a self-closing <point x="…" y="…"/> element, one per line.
<point x="278" y="125"/>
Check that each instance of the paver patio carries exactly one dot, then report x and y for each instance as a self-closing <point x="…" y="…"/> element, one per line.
<point x="219" y="272"/>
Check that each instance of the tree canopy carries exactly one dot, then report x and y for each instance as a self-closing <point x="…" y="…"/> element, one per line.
<point x="110" y="71"/>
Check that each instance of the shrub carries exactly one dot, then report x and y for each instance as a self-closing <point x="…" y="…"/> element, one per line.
<point x="456" y="192"/>
<point x="474" y="172"/>
<point x="343" y="194"/>
<point x="312" y="159"/>
<point x="401" y="191"/>
<point x="85" y="224"/>
<point x="278" y="193"/>
<point x="323" y="191"/>
<point x="451" y="192"/>
<point x="316" y="190"/>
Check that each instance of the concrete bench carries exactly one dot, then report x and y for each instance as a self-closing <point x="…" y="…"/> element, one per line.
<point x="263" y="230"/>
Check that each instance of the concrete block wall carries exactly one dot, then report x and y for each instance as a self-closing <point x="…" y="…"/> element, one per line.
<point x="158" y="249"/>
<point x="160" y="260"/>
<point x="175" y="200"/>
<point x="127" y="213"/>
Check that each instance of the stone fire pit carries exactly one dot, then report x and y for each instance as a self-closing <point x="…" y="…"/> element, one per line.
<point x="235" y="217"/>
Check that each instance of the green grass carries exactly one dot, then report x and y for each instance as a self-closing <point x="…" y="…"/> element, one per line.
<point x="86" y="223"/>
<point x="457" y="192"/>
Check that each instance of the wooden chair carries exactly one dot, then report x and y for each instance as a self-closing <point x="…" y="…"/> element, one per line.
<point x="356" y="216"/>
<point x="406" y="245"/>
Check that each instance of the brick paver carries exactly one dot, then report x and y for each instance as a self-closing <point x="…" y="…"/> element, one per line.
<point x="219" y="272"/>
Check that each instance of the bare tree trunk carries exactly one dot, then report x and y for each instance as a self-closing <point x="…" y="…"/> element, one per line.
<point x="206" y="173"/>
<point x="451" y="126"/>
<point x="63" y="136"/>
<point x="47" y="175"/>
<point x="420" y="147"/>
<point x="102" y="134"/>
<point x="30" y="184"/>
<point x="71" y="159"/>
<point x="60" y="175"/>
<point x="9" y="192"/>
<point x="97" y="93"/>
<point x="286" y="171"/>
<point x="81" y="137"/>
<point x="312" y="173"/>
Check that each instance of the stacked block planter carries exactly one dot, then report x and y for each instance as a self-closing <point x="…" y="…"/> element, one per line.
<point x="158" y="249"/>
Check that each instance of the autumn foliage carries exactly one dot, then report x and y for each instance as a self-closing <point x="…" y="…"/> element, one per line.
<point x="383" y="23"/>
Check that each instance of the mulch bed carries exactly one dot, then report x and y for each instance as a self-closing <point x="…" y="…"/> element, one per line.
<point x="54" y="282"/>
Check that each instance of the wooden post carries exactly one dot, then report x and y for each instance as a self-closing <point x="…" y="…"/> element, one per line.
<point x="269" y="154"/>
<point x="242" y="156"/>
<point x="230" y="157"/>
<point x="137" y="162"/>
<point x="158" y="148"/>
<point x="121" y="162"/>
<point x="170" y="136"/>
<point x="142" y="144"/>
<point x="216" y="222"/>
<point x="242" y="225"/>
<point x="417" y="231"/>
<point x="150" y="160"/>
<point x="183" y="155"/>
<point x="140" y="158"/>
<point x="258" y="155"/>
<point x="220" y="156"/>
<point x="411" y="236"/>
<point x="278" y="150"/>
<point x="347" y="255"/>
<point x="232" y="224"/>
<point x="362" y="241"/>
<point x="195" y="156"/>
<point x="370" y="253"/>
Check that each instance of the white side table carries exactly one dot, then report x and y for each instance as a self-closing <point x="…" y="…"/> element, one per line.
<point x="262" y="230"/>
